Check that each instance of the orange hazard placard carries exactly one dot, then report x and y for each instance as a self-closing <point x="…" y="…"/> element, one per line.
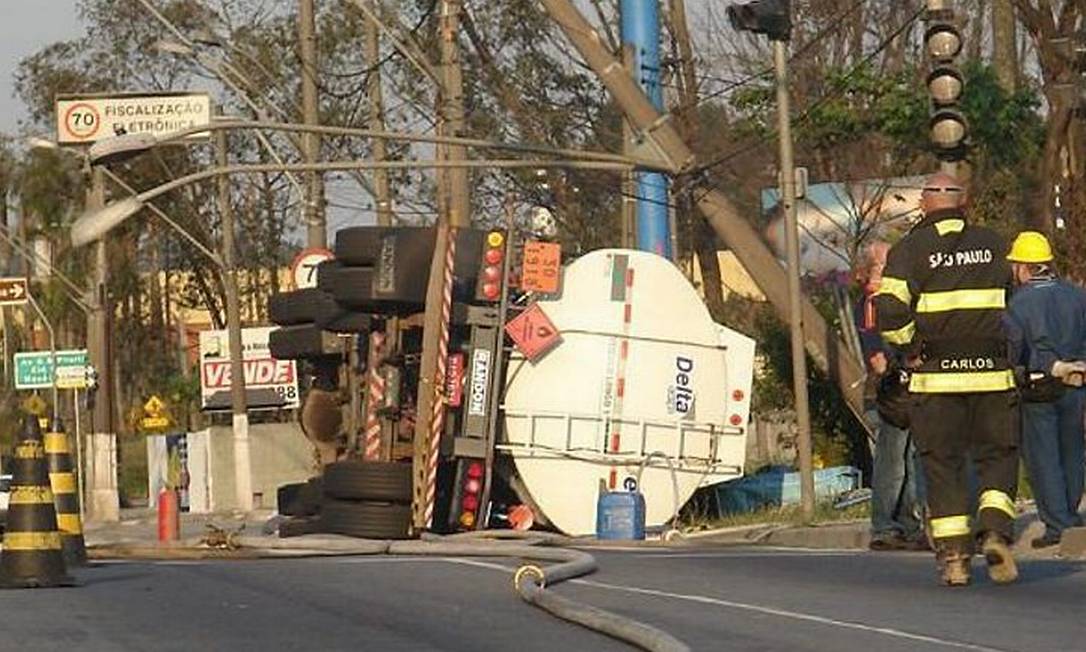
<point x="542" y="266"/>
<point x="533" y="332"/>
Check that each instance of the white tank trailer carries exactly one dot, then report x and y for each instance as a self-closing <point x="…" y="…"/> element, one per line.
<point x="644" y="391"/>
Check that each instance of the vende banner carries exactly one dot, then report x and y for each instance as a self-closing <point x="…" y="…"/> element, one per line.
<point x="269" y="383"/>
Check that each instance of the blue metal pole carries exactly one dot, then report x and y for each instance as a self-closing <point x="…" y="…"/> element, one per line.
<point x="641" y="33"/>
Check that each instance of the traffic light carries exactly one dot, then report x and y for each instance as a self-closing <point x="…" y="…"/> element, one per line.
<point x="943" y="41"/>
<point x="770" y="17"/>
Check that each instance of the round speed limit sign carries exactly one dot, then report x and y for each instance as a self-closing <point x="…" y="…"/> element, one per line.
<point x="303" y="271"/>
<point x="82" y="121"/>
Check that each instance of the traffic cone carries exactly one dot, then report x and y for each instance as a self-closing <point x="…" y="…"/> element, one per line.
<point x="31" y="556"/>
<point x="65" y="496"/>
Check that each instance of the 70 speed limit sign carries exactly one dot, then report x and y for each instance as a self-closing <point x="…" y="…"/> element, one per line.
<point x="303" y="271"/>
<point x="91" y="118"/>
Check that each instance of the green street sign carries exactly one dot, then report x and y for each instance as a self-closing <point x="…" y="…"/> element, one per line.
<point x="34" y="369"/>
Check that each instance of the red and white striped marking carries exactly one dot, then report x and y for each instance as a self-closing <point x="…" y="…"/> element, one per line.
<point x="375" y="396"/>
<point x="437" y="422"/>
<point x="620" y="376"/>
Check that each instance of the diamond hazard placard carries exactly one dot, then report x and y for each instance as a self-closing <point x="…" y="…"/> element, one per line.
<point x="533" y="332"/>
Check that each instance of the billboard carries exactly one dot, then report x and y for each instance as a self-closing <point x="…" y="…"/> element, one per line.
<point x="269" y="383"/>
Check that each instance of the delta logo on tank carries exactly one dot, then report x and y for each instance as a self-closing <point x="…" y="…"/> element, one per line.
<point x="269" y="383"/>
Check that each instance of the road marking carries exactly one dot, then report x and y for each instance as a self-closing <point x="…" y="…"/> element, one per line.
<point x="771" y="611"/>
<point x="743" y="555"/>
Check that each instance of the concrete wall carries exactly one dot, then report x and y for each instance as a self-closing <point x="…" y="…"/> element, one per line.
<point x="280" y="454"/>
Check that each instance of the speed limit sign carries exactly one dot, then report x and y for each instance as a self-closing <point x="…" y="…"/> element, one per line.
<point x="303" y="271"/>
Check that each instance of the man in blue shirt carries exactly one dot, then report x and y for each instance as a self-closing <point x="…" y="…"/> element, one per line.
<point x="1046" y="328"/>
<point x="895" y="494"/>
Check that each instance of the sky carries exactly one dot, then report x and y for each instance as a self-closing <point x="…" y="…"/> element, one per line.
<point x="25" y="27"/>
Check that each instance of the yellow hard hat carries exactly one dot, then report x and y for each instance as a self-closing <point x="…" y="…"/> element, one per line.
<point x="1030" y="247"/>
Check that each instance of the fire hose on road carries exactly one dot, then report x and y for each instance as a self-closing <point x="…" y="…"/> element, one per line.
<point x="532" y="581"/>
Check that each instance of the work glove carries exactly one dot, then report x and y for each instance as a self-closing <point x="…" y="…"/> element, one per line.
<point x="1070" y="372"/>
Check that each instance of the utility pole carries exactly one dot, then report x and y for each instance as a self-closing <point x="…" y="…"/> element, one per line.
<point x="101" y="483"/>
<point x="454" y="203"/>
<point x="452" y="108"/>
<point x="243" y="474"/>
<point x="1005" y="44"/>
<point x="641" y="34"/>
<point x="316" y="228"/>
<point x="382" y="189"/>
<point x="799" y="354"/>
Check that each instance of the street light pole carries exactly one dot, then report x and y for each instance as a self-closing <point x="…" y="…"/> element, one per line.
<point x="243" y="478"/>
<point x="100" y="484"/>
<point x="795" y="304"/>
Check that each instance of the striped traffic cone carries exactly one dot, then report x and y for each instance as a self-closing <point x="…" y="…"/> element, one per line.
<point x="31" y="556"/>
<point x="65" y="496"/>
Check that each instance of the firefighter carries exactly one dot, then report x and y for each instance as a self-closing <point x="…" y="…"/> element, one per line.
<point x="941" y="300"/>
<point x="1046" y="326"/>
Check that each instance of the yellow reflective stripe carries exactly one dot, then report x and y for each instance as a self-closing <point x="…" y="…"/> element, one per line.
<point x="31" y="496"/>
<point x="950" y="526"/>
<point x="29" y="450"/>
<point x="901" y="336"/>
<point x="949" y="383"/>
<point x="63" y="483"/>
<point x="996" y="499"/>
<point x="56" y="442"/>
<point x="29" y="541"/>
<point x="895" y="287"/>
<point x="962" y="300"/>
<point x="949" y="226"/>
<point x="69" y="524"/>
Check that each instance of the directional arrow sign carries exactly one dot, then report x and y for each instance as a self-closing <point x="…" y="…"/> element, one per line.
<point x="13" y="291"/>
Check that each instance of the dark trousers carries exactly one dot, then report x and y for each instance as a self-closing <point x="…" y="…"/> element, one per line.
<point x="1052" y="445"/>
<point x="949" y="429"/>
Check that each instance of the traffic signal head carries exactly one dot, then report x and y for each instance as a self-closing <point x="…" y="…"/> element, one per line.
<point x="770" y="17"/>
<point x="943" y="42"/>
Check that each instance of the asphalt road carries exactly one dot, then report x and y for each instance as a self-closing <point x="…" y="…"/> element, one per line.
<point x="725" y="599"/>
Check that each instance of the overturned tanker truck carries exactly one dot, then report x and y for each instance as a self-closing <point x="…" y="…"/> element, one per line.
<point x="611" y="378"/>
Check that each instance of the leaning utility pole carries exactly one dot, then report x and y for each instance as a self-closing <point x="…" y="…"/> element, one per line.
<point x="825" y="347"/>
<point x="316" y="230"/>
<point x="382" y="189"/>
<point x="243" y="470"/>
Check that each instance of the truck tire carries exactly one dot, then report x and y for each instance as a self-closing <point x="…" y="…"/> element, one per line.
<point x="298" y="307"/>
<point x="410" y="246"/>
<point x="348" y="322"/>
<point x="335" y="318"/>
<point x="365" y="520"/>
<point x="297" y="526"/>
<point x="300" y="498"/>
<point x="353" y="288"/>
<point x="301" y="342"/>
<point x="357" y="480"/>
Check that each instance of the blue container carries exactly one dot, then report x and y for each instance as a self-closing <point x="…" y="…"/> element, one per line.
<point x="620" y="515"/>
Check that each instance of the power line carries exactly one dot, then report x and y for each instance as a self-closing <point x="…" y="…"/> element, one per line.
<point x="809" y="111"/>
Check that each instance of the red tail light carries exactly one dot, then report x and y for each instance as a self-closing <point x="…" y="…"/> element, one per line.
<point x="489" y="285"/>
<point x="471" y="487"/>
